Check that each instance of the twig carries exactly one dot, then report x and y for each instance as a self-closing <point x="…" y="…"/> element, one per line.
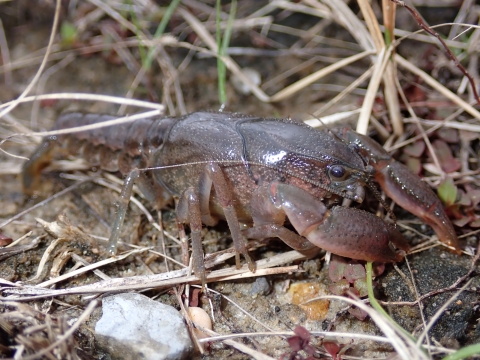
<point x="451" y="55"/>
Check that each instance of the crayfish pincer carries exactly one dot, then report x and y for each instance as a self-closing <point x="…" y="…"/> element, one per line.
<point x="254" y="171"/>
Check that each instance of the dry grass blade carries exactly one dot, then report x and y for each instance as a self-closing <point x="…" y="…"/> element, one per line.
<point x="257" y="355"/>
<point x="449" y="124"/>
<point x="437" y="86"/>
<point x="404" y="345"/>
<point x="365" y="113"/>
<point x="203" y="33"/>
<point x="372" y="24"/>
<point x="331" y="119"/>
<point x="5" y="53"/>
<point x="42" y="65"/>
<point x="62" y="338"/>
<point x="345" y="16"/>
<point x="118" y="18"/>
<point x="89" y="267"/>
<point x="286" y="92"/>
<point x="19" y="240"/>
<point x="176" y="277"/>
<point x="420" y="128"/>
<point x="391" y="98"/>
<point x="345" y="92"/>
<point x="7" y="252"/>
<point x="308" y="80"/>
<point x="120" y="120"/>
<point x="451" y="55"/>
<point x="40" y="88"/>
<point x="440" y="311"/>
<point x="391" y="95"/>
<point x="329" y="334"/>
<point x="41" y="203"/>
<point x="316" y="8"/>
<point x="89" y="97"/>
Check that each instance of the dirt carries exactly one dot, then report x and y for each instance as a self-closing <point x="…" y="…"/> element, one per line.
<point x="92" y="207"/>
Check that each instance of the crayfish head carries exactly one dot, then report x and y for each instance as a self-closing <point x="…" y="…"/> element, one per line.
<point x="354" y="191"/>
<point x="347" y="182"/>
<point x="359" y="194"/>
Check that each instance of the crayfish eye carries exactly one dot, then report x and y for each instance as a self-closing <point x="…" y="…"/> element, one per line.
<point x="338" y="172"/>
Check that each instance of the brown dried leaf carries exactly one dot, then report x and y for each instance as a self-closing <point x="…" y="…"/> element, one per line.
<point x="414" y="164"/>
<point x="332" y="348"/>
<point x="5" y="240"/>
<point x="358" y="313"/>
<point x="340" y="287"/>
<point x="461" y="222"/>
<point x="416" y="149"/>
<point x="475" y="223"/>
<point x="337" y="268"/>
<point x="448" y="163"/>
<point x="449" y="135"/>
<point x="354" y="272"/>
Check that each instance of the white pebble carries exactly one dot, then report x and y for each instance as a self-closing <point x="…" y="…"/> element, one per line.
<point x="243" y="88"/>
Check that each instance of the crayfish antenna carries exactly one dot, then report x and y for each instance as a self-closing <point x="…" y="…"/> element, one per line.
<point x="382" y="201"/>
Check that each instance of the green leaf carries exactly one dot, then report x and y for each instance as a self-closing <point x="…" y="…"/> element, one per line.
<point x="447" y="191"/>
<point x="68" y="32"/>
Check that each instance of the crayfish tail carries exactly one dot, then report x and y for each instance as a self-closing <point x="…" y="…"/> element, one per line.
<point x="31" y="171"/>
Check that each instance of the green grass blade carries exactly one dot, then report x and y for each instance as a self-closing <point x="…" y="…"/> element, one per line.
<point x="222" y="44"/>
<point x="136" y="23"/>
<point x="376" y="305"/>
<point x="221" y="73"/>
<point x="160" y="30"/>
<point x="464" y="353"/>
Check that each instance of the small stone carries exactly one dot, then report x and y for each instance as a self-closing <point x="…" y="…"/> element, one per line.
<point x="302" y="293"/>
<point x="261" y="286"/>
<point x="135" y="327"/>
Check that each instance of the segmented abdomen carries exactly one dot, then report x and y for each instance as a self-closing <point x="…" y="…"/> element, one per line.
<point x="114" y="148"/>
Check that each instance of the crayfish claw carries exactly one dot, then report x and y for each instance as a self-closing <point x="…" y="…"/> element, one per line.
<point x="358" y="234"/>
<point x="405" y="188"/>
<point x="414" y="195"/>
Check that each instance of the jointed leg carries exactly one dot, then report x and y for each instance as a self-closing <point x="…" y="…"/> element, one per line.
<point x="290" y="238"/>
<point x="225" y="197"/>
<point x="188" y="210"/>
<point x="122" y="205"/>
<point x="153" y="192"/>
<point x="193" y="206"/>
